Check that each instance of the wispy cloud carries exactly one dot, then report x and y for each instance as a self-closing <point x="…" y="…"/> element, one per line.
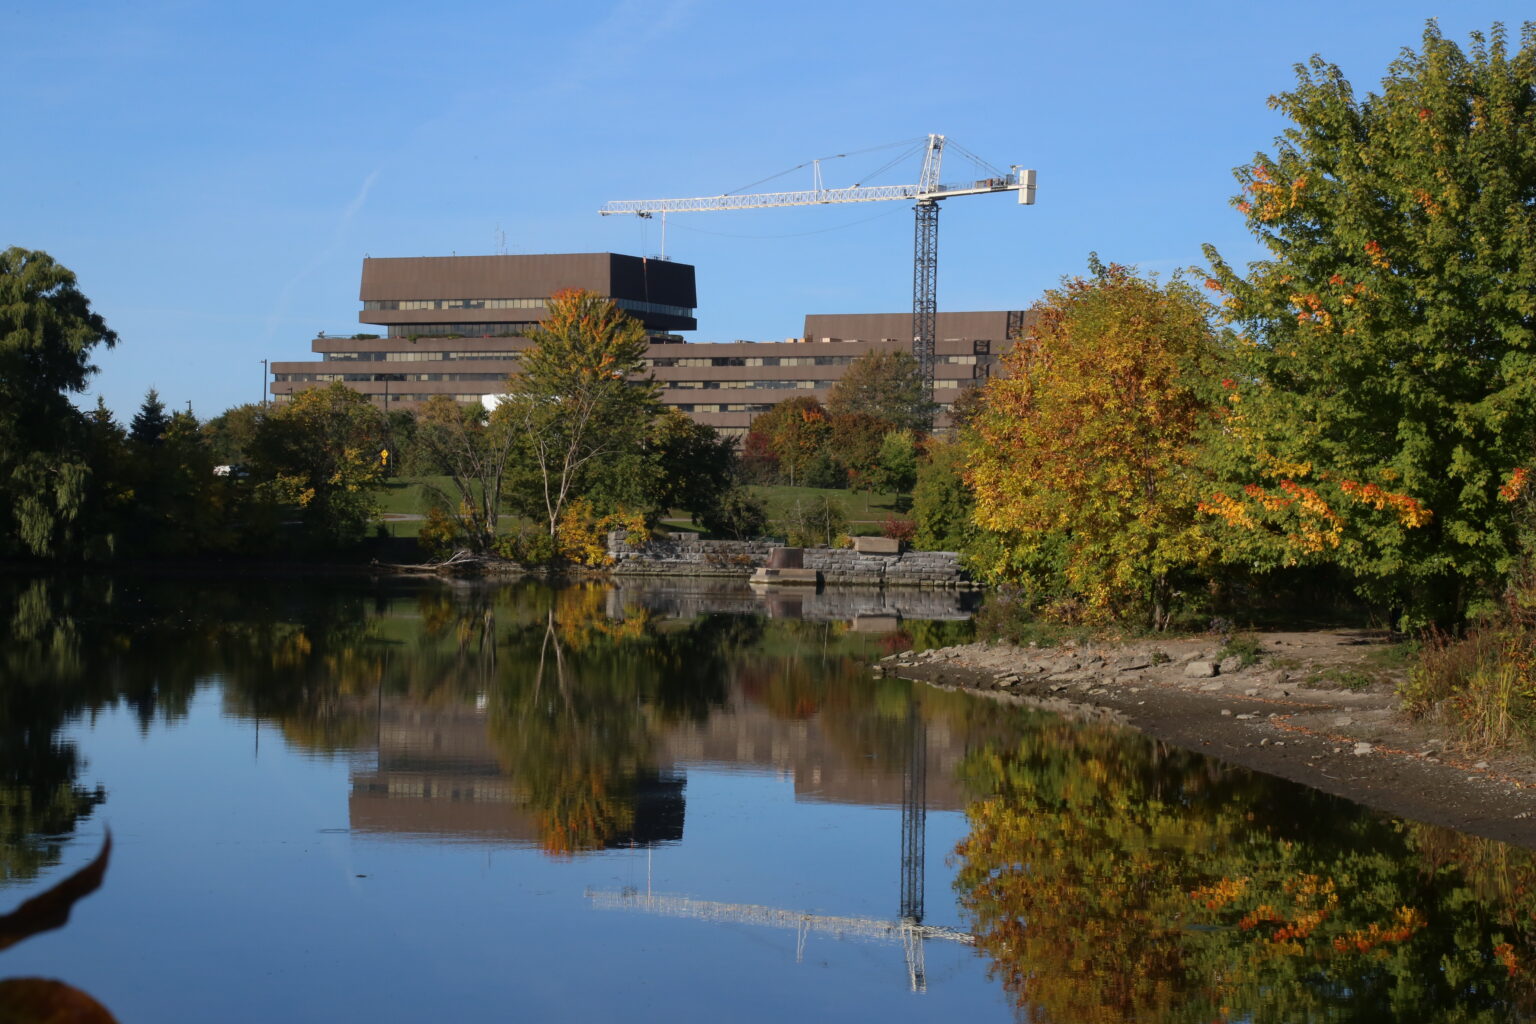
<point x="630" y="34"/>
<point x="322" y="255"/>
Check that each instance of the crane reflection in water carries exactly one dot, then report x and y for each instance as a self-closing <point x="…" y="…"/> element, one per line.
<point x="907" y="928"/>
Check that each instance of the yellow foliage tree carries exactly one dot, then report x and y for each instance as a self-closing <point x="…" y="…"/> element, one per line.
<point x="1082" y="458"/>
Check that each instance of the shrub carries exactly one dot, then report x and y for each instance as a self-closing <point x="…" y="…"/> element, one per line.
<point x="738" y="515"/>
<point x="901" y="529"/>
<point x="1245" y="648"/>
<point x="816" y="522"/>
<point x="528" y="546"/>
<point x="439" y="535"/>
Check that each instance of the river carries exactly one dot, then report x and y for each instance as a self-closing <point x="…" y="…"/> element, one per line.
<point x="394" y="801"/>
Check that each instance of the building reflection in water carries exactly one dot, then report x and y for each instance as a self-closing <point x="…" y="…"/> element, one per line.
<point x="436" y="774"/>
<point x="440" y="771"/>
<point x="436" y="770"/>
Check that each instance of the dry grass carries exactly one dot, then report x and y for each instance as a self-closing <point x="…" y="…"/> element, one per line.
<point x="1482" y="684"/>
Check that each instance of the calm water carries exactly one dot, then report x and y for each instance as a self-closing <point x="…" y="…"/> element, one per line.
<point x="400" y="803"/>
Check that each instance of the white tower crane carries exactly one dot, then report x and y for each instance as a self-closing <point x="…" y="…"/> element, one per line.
<point x="927" y="193"/>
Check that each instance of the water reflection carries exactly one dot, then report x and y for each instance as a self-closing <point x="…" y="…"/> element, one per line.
<point x="1110" y="879"/>
<point x="1103" y="877"/>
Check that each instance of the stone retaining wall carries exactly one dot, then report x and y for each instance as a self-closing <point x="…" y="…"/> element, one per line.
<point x="734" y="559"/>
<point x="683" y="598"/>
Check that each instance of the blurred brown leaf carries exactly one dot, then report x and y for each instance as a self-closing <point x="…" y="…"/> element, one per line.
<point x="50" y="909"/>
<point x="45" y="1001"/>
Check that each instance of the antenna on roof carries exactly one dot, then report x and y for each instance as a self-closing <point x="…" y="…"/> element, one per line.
<point x="501" y="241"/>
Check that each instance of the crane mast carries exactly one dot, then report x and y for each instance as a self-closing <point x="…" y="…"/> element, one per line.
<point x="928" y="191"/>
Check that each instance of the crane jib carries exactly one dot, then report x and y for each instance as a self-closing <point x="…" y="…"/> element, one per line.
<point x="926" y="193"/>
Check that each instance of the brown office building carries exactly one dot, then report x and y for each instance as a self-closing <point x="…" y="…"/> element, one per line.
<point x="459" y="322"/>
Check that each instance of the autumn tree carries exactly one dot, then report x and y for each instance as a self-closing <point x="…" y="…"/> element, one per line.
<point x="1385" y="411"/>
<point x="579" y="399"/>
<point x="1081" y="456"/>
<point x="886" y="385"/>
<point x="794" y="431"/>
<point x="47" y="333"/>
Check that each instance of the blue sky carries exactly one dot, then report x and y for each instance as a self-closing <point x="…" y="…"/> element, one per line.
<point x="215" y="172"/>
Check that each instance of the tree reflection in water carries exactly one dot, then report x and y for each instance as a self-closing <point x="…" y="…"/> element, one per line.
<point x="1110" y="879"/>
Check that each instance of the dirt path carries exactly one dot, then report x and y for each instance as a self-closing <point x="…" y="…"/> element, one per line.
<point x="1318" y="708"/>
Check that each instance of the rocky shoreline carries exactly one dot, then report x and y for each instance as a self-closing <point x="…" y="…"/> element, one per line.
<point x="1316" y="707"/>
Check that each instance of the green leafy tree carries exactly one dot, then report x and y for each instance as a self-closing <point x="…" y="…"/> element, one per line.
<point x="966" y="406"/>
<point x="1385" y="410"/>
<point x="852" y="446"/>
<point x="1083" y="457"/>
<point x="737" y="514"/>
<point x="230" y="433"/>
<point x="886" y="385"/>
<point x="477" y="452"/>
<point x="180" y="507"/>
<point x="676" y="463"/>
<point x="319" y="454"/>
<point x="47" y="333"/>
<point x="942" y="505"/>
<point x="149" y="423"/>
<point x="895" y="468"/>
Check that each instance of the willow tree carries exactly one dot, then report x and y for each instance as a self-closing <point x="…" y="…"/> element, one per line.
<point x="47" y="333"/>
<point x="1386" y="414"/>
<point x="1082" y="457"/>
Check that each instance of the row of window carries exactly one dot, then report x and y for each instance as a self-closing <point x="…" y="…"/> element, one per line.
<point x="409" y="304"/>
<point x="633" y="305"/>
<point x="354" y="378"/>
<point x="506" y="330"/>
<point x="401" y="397"/>
<point x="667" y="362"/>
<point x="722" y="408"/>
<point x="711" y="385"/>
<point x="779" y="385"/>
<point x="641" y="306"/>
<point x="413" y="357"/>
<point x="751" y="361"/>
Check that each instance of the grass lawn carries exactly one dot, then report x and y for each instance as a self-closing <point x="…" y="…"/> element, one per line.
<point x="860" y="506"/>
<point x="408" y="494"/>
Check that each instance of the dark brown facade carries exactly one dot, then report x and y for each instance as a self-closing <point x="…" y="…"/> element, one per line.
<point x="436" y="294"/>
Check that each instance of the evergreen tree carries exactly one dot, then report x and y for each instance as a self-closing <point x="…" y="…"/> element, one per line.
<point x="148" y="424"/>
